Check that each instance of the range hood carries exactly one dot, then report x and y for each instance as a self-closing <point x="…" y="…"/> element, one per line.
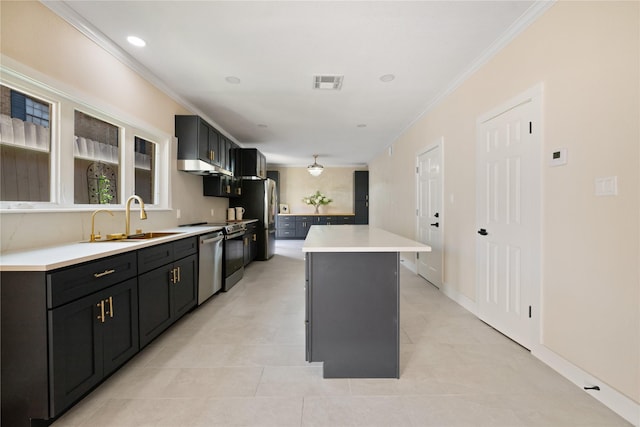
<point x="199" y="167"/>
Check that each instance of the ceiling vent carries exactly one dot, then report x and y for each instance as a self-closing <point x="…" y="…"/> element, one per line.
<point x="327" y="82"/>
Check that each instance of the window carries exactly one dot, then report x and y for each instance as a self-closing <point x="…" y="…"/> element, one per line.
<point x="58" y="153"/>
<point x="96" y="160"/>
<point x="144" y="162"/>
<point x="25" y="137"/>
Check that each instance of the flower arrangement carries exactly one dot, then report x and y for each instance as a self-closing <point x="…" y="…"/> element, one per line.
<point x="317" y="200"/>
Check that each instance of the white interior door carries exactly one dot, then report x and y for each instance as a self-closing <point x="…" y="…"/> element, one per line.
<point x="508" y="217"/>
<point x="430" y="226"/>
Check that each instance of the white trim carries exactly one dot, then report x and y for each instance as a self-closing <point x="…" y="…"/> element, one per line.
<point x="65" y="12"/>
<point x="611" y="398"/>
<point x="439" y="143"/>
<point x="533" y="94"/>
<point x="64" y="101"/>
<point x="536" y="10"/>
<point x="409" y="265"/>
<point x="608" y="396"/>
<point x="462" y="300"/>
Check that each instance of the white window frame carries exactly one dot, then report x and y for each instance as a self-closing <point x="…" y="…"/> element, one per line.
<point x="63" y="106"/>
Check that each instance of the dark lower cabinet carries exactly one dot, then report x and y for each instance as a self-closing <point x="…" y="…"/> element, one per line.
<point x="90" y="338"/>
<point x="250" y="243"/>
<point x="63" y="331"/>
<point x="297" y="226"/>
<point x="352" y="313"/>
<point x="166" y="294"/>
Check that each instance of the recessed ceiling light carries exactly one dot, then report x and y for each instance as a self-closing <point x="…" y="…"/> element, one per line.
<point x="387" y="78"/>
<point x="232" y="79"/>
<point x="262" y="125"/>
<point x="136" y="41"/>
<point x="362" y="125"/>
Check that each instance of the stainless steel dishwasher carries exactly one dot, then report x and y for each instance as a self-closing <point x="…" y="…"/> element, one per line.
<point x="210" y="268"/>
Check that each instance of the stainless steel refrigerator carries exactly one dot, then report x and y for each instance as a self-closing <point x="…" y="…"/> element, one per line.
<point x="260" y="201"/>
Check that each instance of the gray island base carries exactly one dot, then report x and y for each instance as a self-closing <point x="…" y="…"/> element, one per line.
<point x="352" y="300"/>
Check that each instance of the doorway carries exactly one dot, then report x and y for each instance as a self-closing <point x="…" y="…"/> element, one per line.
<point x="429" y="213"/>
<point x="508" y="216"/>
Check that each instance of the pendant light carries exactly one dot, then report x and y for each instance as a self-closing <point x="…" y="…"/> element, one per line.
<point x="315" y="169"/>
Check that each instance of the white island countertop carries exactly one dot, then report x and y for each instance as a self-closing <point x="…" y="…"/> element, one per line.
<point x="358" y="238"/>
<point x="50" y="258"/>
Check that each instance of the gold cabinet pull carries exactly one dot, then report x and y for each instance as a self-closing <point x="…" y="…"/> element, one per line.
<point x="172" y="279"/>
<point x="104" y="273"/>
<point x="255" y="238"/>
<point x="101" y="315"/>
<point x="178" y="273"/>
<point x="110" y="313"/>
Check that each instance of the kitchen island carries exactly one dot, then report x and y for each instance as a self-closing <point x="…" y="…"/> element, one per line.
<point x="352" y="299"/>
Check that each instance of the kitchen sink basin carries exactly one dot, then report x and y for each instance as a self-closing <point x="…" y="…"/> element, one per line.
<point x="152" y="235"/>
<point x="120" y="237"/>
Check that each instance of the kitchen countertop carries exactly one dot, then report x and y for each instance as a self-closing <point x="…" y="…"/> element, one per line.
<point x="358" y="238"/>
<point x="50" y="258"/>
<point x="317" y="214"/>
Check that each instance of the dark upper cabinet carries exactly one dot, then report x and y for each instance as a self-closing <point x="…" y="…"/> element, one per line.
<point x="250" y="163"/>
<point x="214" y="146"/>
<point x="361" y="196"/>
<point x="201" y="148"/>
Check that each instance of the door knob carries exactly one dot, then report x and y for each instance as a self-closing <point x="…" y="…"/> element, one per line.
<point x="435" y="224"/>
<point x="482" y="232"/>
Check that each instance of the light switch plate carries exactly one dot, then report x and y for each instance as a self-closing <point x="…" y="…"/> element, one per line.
<point x="607" y="186"/>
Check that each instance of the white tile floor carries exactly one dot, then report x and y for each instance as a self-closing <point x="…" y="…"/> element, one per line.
<point x="238" y="360"/>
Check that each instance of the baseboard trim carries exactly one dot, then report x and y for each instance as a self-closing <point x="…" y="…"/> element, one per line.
<point x="611" y="398"/>
<point x="411" y="266"/>
<point x="459" y="298"/>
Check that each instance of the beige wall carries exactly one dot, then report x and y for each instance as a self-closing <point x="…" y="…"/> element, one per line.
<point x="335" y="183"/>
<point x="51" y="49"/>
<point x="587" y="56"/>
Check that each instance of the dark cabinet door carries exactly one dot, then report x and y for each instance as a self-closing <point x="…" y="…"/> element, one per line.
<point x="75" y="342"/>
<point x="246" y="239"/>
<point x="302" y="227"/>
<point x="203" y="141"/>
<point x="154" y="296"/>
<point x="214" y="146"/>
<point x="253" y="245"/>
<point x="121" y="321"/>
<point x="89" y="338"/>
<point x="361" y="208"/>
<point x="166" y="294"/>
<point x="183" y="288"/>
<point x="361" y="185"/>
<point x="361" y="196"/>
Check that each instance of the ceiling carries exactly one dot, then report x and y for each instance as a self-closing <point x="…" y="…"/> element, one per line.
<point x="271" y="51"/>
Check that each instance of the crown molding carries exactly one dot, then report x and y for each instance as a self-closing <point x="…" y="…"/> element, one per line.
<point x="537" y="9"/>
<point x="73" y="18"/>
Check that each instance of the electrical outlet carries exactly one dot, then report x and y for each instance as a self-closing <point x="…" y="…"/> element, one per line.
<point x="213" y="212"/>
<point x="178" y="213"/>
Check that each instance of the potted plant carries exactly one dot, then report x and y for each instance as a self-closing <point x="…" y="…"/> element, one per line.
<point x="316" y="200"/>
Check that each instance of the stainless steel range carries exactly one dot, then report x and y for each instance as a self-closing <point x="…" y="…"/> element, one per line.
<point x="233" y="251"/>
<point x="233" y="269"/>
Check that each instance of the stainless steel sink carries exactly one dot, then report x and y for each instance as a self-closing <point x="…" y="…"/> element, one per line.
<point x="135" y="237"/>
<point x="152" y="235"/>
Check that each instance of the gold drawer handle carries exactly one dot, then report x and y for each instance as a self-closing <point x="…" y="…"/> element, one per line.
<point x="104" y="273"/>
<point x="101" y="315"/>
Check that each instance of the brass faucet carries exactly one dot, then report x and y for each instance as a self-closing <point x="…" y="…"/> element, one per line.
<point x="127" y="212"/>
<point x="95" y="236"/>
